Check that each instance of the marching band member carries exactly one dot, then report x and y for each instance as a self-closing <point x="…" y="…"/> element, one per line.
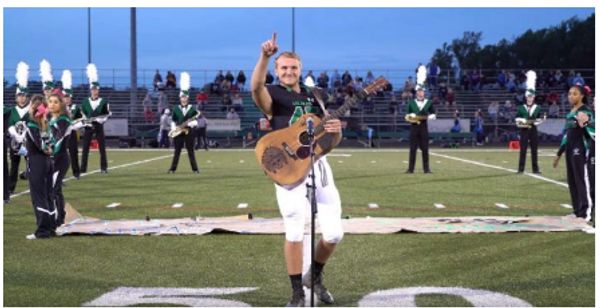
<point x="17" y="121"/>
<point x="60" y="130"/>
<point x="74" y="112"/>
<point x="418" y="111"/>
<point x="39" y="166"/>
<point x="96" y="111"/>
<point x="184" y="121"/>
<point x="528" y="118"/>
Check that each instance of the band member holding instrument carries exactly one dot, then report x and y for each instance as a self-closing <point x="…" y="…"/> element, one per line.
<point x="418" y="111"/>
<point x="73" y="112"/>
<point x="39" y="165"/>
<point x="182" y="126"/>
<point x="96" y="111"/>
<point x="528" y="118"/>
<point x="17" y="121"/>
<point x="283" y="104"/>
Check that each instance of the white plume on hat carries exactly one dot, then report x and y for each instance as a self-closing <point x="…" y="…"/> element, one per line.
<point x="421" y="77"/>
<point x="184" y="84"/>
<point x="92" y="73"/>
<point x="46" y="71"/>
<point x="22" y="74"/>
<point x="67" y="79"/>
<point x="530" y="83"/>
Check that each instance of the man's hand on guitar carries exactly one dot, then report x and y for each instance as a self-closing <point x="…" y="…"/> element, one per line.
<point x="270" y="47"/>
<point x="333" y="126"/>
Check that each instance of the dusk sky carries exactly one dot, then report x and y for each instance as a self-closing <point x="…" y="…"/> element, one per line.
<point x="229" y="38"/>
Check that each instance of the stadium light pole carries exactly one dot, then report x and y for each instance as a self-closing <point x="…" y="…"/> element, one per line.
<point x="293" y="29"/>
<point x="133" y="57"/>
<point x="89" y="20"/>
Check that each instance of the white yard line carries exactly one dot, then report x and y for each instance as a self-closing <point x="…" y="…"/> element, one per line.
<point x="439" y="205"/>
<point x="502" y="205"/>
<point x="98" y="171"/>
<point x="537" y="176"/>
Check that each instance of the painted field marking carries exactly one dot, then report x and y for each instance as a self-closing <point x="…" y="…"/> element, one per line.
<point x="177" y="205"/>
<point x="373" y="205"/>
<point x="98" y="171"/>
<point x="113" y="205"/>
<point x="340" y="155"/>
<point x="502" y="205"/>
<point x="537" y="176"/>
<point x="242" y="205"/>
<point x="566" y="206"/>
<point x="439" y="205"/>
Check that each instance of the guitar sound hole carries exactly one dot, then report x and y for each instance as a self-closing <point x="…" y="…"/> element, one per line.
<point x="304" y="139"/>
<point x="303" y="152"/>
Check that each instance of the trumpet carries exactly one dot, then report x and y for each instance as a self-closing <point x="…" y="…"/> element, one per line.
<point x="183" y="127"/>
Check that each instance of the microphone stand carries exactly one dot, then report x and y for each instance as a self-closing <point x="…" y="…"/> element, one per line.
<point x="311" y="195"/>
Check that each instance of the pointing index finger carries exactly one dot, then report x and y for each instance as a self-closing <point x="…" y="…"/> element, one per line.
<point x="274" y="38"/>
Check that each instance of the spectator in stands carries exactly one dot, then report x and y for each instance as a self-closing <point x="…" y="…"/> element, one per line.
<point x="511" y="84"/>
<point x="509" y="111"/>
<point x="148" y="113"/>
<point x="163" y="101"/>
<point x="269" y="79"/>
<point x="201" y="132"/>
<point x="171" y="80"/>
<point x="450" y="97"/>
<point x="478" y="127"/>
<point x="201" y="100"/>
<point x="578" y="80"/>
<point x="229" y="77"/>
<point x="476" y="80"/>
<point x="493" y="110"/>
<point x="465" y="81"/>
<point x="501" y="79"/>
<point x="165" y="126"/>
<point x="241" y="80"/>
<point x="225" y="86"/>
<point x="323" y="80"/>
<point x="336" y="80"/>
<point x="219" y="77"/>
<point x="370" y="78"/>
<point x="393" y="106"/>
<point x="237" y="102"/>
<point x="442" y="92"/>
<point x="456" y="128"/>
<point x="570" y="78"/>
<point x="368" y="104"/>
<point x="232" y="115"/>
<point x="157" y="80"/>
<point x="559" y="79"/>
<point x="409" y="85"/>
<point x="358" y="83"/>
<point x="346" y="79"/>
<point x="552" y="97"/>
<point x="554" y="110"/>
<point x="225" y="102"/>
<point x="433" y="71"/>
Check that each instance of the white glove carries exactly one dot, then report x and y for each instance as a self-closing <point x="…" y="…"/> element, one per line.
<point x="78" y="125"/>
<point x="412" y="115"/>
<point x="173" y="126"/>
<point x="520" y="121"/>
<point x="431" y="116"/>
<point x="13" y="132"/>
<point x="101" y="120"/>
<point x="22" y="151"/>
<point x="192" y="124"/>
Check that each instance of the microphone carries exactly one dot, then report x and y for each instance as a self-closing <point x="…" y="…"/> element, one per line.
<point x="310" y="126"/>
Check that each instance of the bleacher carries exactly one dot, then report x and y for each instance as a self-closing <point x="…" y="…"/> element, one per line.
<point x="385" y="124"/>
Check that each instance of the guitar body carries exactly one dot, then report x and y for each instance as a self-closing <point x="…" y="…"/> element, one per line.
<point x="284" y="154"/>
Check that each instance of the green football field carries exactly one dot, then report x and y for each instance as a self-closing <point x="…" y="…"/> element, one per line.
<point x="542" y="269"/>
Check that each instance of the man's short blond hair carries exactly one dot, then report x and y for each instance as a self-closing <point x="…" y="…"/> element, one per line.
<point x="288" y="54"/>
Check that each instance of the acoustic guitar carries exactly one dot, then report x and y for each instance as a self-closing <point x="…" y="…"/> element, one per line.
<point x="284" y="154"/>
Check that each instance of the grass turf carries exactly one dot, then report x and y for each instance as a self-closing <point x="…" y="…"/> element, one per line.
<point x="544" y="269"/>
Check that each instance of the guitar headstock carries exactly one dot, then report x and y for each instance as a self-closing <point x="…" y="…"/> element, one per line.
<point x="377" y="85"/>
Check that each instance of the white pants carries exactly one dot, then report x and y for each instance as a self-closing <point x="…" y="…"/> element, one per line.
<point x="295" y="206"/>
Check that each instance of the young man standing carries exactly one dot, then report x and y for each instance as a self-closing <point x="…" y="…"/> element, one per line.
<point x="283" y="104"/>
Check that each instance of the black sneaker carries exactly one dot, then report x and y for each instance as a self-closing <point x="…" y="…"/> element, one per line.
<point x="170" y="171"/>
<point x="196" y="171"/>
<point x="427" y="171"/>
<point x="320" y="290"/>
<point x="104" y="171"/>
<point x="409" y="172"/>
<point x="297" y="300"/>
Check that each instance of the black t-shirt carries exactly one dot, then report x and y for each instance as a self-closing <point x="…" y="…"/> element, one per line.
<point x="288" y="105"/>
